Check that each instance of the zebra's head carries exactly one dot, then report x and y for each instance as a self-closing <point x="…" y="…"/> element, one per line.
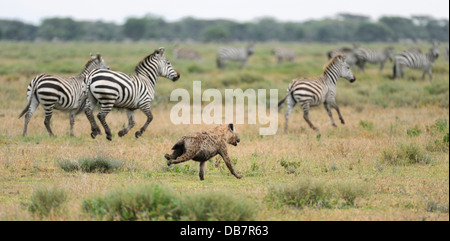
<point x="343" y="68"/>
<point x="166" y="69"/>
<point x="390" y="53"/>
<point x="251" y="49"/>
<point x="97" y="62"/>
<point x="435" y="50"/>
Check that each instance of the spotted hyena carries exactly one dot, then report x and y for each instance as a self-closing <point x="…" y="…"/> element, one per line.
<point x="203" y="146"/>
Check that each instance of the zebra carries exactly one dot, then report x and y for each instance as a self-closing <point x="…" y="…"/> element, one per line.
<point x="55" y="92"/>
<point x="446" y="53"/>
<point x="184" y="53"/>
<point x="416" y="60"/>
<point x="374" y="56"/>
<point x="309" y="92"/>
<point x="127" y="91"/>
<point x="350" y="56"/>
<point x="241" y="55"/>
<point x="283" y="54"/>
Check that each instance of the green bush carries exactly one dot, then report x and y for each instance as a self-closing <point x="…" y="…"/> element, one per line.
<point x="46" y="200"/>
<point x="157" y="202"/>
<point x="216" y="206"/>
<point x="413" y="131"/>
<point x="149" y="202"/>
<point x="303" y="193"/>
<point x="307" y="193"/>
<point x="405" y="154"/>
<point x="99" y="164"/>
<point x="367" y="125"/>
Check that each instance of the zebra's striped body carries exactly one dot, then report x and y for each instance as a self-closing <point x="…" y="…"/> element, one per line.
<point x="316" y="91"/>
<point x="59" y="93"/>
<point x="184" y="53"/>
<point x="283" y="54"/>
<point x="416" y="60"/>
<point x="127" y="91"/>
<point x="374" y="56"/>
<point x="240" y="55"/>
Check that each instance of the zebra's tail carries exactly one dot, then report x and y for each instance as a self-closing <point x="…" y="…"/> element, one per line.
<point x="32" y="95"/>
<point x="283" y="100"/>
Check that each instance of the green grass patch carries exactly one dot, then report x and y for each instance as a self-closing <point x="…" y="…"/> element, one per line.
<point x="99" y="164"/>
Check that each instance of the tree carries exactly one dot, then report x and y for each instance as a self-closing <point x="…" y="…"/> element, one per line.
<point x="373" y="32"/>
<point x="60" y="28"/>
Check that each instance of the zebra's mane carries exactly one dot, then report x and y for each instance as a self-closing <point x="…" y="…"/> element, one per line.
<point x="325" y="69"/>
<point x="91" y="61"/>
<point x="136" y="69"/>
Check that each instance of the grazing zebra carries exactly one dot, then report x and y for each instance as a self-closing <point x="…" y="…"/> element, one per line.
<point x="350" y="56"/>
<point x="416" y="60"/>
<point x="55" y="92"/>
<point x="309" y="92"/>
<point x="128" y="91"/>
<point x="241" y="55"/>
<point x="283" y="54"/>
<point x="374" y="56"/>
<point x="184" y="53"/>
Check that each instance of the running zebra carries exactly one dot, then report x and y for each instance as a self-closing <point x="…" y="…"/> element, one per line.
<point x="309" y="92"/>
<point x="283" y="54"/>
<point x="184" y="53"/>
<point x="127" y="91"/>
<point x="240" y="55"/>
<point x="374" y="56"/>
<point x="416" y="60"/>
<point x="55" y="92"/>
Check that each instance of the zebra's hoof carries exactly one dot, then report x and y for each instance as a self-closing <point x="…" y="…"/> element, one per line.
<point x="122" y="133"/>
<point x="109" y="138"/>
<point x="93" y="135"/>
<point x="138" y="134"/>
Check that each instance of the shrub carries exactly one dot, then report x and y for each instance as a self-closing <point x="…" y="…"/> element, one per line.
<point x="216" y="206"/>
<point x="156" y="202"/>
<point x="99" y="164"/>
<point x="405" y="154"/>
<point x="303" y="193"/>
<point x="149" y="202"/>
<point x="413" y="131"/>
<point x="316" y="194"/>
<point x="366" y="125"/>
<point x="46" y="200"/>
<point x="350" y="191"/>
<point x="290" y="167"/>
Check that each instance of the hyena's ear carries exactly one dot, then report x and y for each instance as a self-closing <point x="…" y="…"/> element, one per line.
<point x="231" y="127"/>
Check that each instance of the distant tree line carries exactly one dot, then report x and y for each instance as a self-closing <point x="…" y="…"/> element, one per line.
<point x="342" y="28"/>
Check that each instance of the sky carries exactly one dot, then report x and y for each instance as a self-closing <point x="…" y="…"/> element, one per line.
<point x="34" y="11"/>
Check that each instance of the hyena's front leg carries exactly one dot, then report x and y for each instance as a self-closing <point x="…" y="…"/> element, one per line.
<point x="226" y="158"/>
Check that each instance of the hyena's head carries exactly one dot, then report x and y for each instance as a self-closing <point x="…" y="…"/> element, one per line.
<point x="229" y="134"/>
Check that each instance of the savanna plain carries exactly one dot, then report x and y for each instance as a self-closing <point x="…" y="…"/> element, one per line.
<point x="390" y="161"/>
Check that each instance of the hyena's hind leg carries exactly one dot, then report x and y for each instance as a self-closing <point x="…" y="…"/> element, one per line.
<point x="178" y="150"/>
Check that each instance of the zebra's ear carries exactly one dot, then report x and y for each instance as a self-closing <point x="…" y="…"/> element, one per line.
<point x="160" y="51"/>
<point x="344" y="58"/>
<point x="99" y="56"/>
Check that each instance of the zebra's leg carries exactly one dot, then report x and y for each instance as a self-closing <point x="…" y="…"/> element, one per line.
<point x="131" y="123"/>
<point x="381" y="67"/>
<point x="48" y="116"/>
<point x="89" y="111"/>
<point x="31" y="110"/>
<point x="148" y="112"/>
<point x="330" y="114"/>
<point x="104" y="111"/>
<point x="336" y="107"/>
<point x="72" y="121"/>
<point x="291" y="104"/>
<point x="305" y="108"/>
